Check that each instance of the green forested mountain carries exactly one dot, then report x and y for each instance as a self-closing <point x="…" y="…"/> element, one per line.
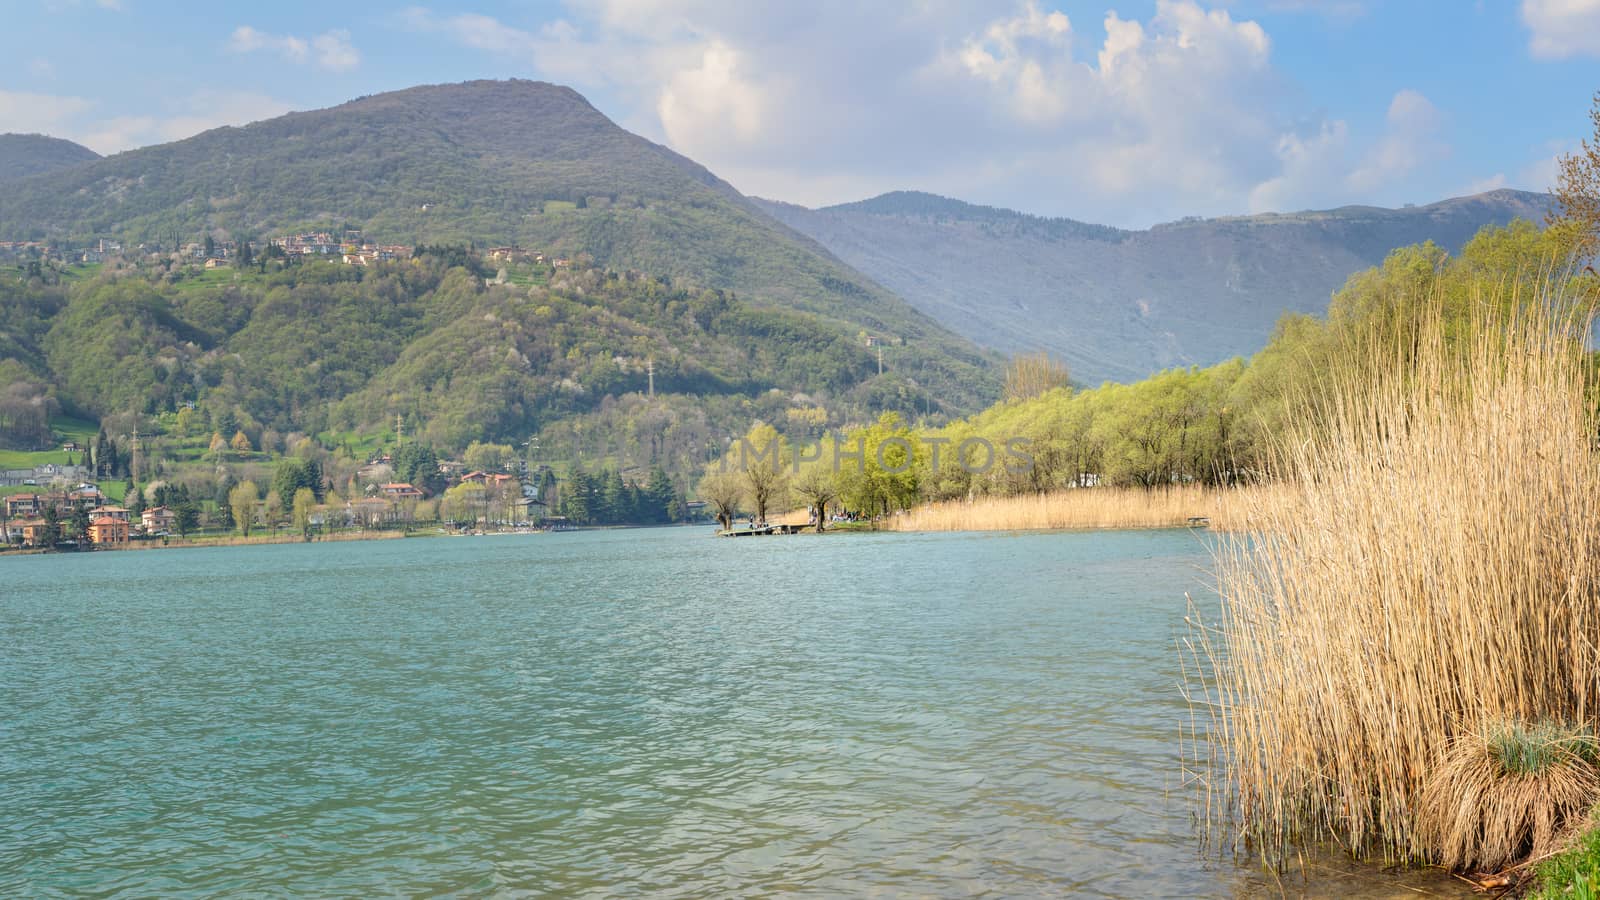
<point x="492" y="163"/>
<point x="1119" y="304"/>
<point x="22" y="155"/>
<point x="323" y="348"/>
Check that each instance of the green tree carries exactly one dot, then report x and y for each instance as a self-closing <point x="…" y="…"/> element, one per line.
<point x="417" y="464"/>
<point x="185" y="517"/>
<point x="659" y="494"/>
<point x="762" y="457"/>
<point x="487" y="457"/>
<point x="80" y="523"/>
<point x="242" y="501"/>
<point x="50" y="533"/>
<point x="292" y="475"/>
<point x="304" y="501"/>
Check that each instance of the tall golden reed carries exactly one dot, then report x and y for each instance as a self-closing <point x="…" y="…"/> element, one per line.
<point x="1080" y="508"/>
<point x="1429" y="569"/>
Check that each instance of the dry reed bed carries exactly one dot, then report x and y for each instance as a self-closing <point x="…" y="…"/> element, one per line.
<point x="1428" y="573"/>
<point x="1082" y="508"/>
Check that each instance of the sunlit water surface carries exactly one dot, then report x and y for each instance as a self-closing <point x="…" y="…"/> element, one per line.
<point x="652" y="712"/>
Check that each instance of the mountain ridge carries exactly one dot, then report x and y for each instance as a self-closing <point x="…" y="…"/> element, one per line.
<point x="1119" y="303"/>
<point x="488" y="162"/>
<point x="26" y="155"/>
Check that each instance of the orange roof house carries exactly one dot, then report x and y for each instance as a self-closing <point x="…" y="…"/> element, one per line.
<point x="108" y="530"/>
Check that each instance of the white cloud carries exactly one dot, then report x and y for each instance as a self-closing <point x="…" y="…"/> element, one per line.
<point x="42" y="113"/>
<point x="1493" y="183"/>
<point x="715" y="96"/>
<point x="330" y="50"/>
<point x="1179" y="112"/>
<point x="75" y="118"/>
<point x="1317" y="170"/>
<point x="1411" y="139"/>
<point x="1562" y="28"/>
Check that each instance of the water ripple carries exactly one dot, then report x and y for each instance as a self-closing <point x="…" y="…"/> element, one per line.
<point x="620" y="714"/>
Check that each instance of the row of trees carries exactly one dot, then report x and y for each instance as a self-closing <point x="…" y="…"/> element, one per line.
<point x="606" y="498"/>
<point x="1215" y="425"/>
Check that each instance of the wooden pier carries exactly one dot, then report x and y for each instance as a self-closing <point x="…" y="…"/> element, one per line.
<point x="763" y="530"/>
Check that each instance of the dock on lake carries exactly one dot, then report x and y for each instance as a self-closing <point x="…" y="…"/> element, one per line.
<point x="757" y="531"/>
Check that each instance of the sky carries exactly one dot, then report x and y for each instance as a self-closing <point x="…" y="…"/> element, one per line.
<point x="1116" y="112"/>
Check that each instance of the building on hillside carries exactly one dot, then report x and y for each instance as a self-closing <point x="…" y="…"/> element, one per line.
<point x="27" y="532"/>
<point x="19" y="506"/>
<point x="489" y="480"/>
<point x="89" y="495"/>
<point x="369" y="511"/>
<point x="214" y="262"/>
<point x="50" y="473"/>
<point x="157" y="520"/>
<point x="115" y="512"/>
<point x="108" y="530"/>
<point x="399" y="490"/>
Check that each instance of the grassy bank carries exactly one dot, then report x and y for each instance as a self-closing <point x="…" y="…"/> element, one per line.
<point x="1082" y="508"/>
<point x="1405" y="658"/>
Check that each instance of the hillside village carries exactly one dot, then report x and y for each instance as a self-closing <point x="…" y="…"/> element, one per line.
<point x="68" y="510"/>
<point x="349" y="246"/>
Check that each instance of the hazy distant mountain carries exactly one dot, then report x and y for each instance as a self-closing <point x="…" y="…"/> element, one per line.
<point x="22" y="155"/>
<point x="1117" y="304"/>
<point x="490" y="162"/>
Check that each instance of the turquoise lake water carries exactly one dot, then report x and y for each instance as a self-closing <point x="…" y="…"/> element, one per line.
<point x="626" y="713"/>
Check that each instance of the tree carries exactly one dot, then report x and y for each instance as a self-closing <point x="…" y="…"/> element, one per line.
<point x="1032" y="374"/>
<point x="884" y="475"/>
<point x="487" y="457"/>
<point x="135" y="500"/>
<point x="242" y="501"/>
<point x="185" y="517"/>
<point x="304" y="500"/>
<point x="462" y="503"/>
<point x="272" y="509"/>
<point x="50" y="534"/>
<point x="722" y="491"/>
<point x="417" y="465"/>
<point x="762" y="455"/>
<point x="1577" y="191"/>
<point x="658" y="496"/>
<point x="814" y="487"/>
<point x="292" y="474"/>
<point x="80" y="523"/>
<point x="210" y="246"/>
<point x="241" y="443"/>
<point x="218" y="445"/>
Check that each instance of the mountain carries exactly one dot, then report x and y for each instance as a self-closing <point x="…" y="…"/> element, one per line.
<point x="492" y="162"/>
<point x="22" y="155"/>
<point x="1118" y="304"/>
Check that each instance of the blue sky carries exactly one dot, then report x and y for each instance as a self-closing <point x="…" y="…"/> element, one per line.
<point x="1127" y="113"/>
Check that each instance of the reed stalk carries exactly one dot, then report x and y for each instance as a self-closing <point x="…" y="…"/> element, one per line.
<point x="1428" y="571"/>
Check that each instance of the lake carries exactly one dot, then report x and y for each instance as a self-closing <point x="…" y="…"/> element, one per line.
<point x="644" y="712"/>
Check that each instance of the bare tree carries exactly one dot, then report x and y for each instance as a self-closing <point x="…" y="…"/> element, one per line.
<point x="723" y="491"/>
<point x="1577" y="192"/>
<point x="1032" y="374"/>
<point x="815" y="487"/>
